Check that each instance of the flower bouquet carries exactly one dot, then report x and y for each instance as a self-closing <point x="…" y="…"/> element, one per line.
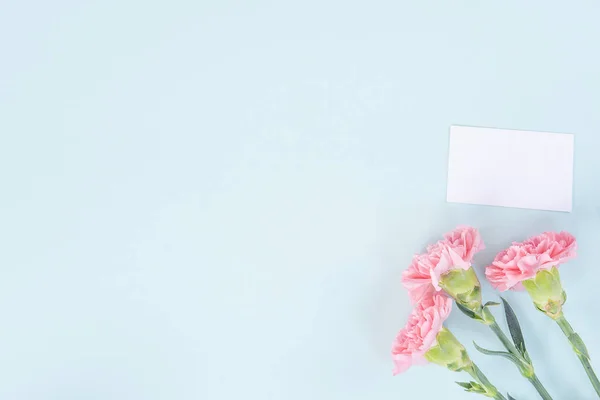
<point x="444" y="275"/>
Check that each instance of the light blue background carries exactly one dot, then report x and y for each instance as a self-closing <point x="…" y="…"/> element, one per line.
<point x="215" y="200"/>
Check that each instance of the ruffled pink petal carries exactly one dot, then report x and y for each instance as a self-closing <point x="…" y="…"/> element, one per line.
<point x="420" y="332"/>
<point x="523" y="261"/>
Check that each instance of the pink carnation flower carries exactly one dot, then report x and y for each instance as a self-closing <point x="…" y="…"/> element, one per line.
<point x="420" y="332"/>
<point x="456" y="250"/>
<point x="522" y="261"/>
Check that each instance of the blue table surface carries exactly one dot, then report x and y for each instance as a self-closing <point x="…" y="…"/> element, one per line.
<point x="216" y="199"/>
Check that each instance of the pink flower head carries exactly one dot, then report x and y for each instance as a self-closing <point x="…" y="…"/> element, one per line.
<point x="420" y="332"/>
<point x="456" y="250"/>
<point x="523" y="260"/>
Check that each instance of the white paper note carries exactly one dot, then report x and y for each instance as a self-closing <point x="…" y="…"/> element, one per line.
<point x="510" y="168"/>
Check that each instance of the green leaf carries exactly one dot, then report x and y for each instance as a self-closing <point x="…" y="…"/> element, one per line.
<point x="469" y="313"/>
<point x="578" y="345"/>
<point x="476" y="388"/>
<point x="491" y="303"/>
<point x="465" y="385"/>
<point x="472" y="387"/>
<point x="527" y="358"/>
<point x="514" y="327"/>
<point x="504" y="354"/>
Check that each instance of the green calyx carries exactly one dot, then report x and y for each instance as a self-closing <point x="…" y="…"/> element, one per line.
<point x="449" y="352"/>
<point x="464" y="287"/>
<point x="546" y="292"/>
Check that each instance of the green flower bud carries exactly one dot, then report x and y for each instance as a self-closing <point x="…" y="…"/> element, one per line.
<point x="449" y="352"/>
<point x="547" y="292"/>
<point x="464" y="287"/>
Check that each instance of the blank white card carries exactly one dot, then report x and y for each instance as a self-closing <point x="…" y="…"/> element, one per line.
<point x="510" y="168"/>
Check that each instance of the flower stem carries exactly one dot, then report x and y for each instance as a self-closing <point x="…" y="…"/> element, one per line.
<point x="580" y="350"/>
<point x="508" y="344"/>
<point x="490" y="390"/>
<point x="539" y="387"/>
<point x="525" y="366"/>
